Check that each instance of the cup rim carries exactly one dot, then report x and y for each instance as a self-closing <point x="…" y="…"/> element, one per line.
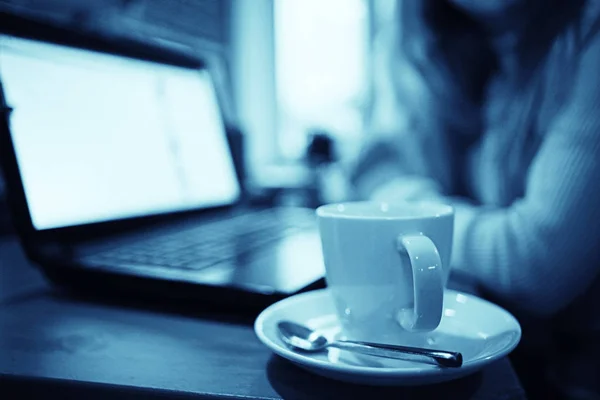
<point x="338" y="210"/>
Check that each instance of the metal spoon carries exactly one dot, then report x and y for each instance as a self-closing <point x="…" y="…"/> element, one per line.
<point x="299" y="337"/>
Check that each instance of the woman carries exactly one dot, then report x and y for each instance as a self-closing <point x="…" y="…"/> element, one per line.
<point x="496" y="108"/>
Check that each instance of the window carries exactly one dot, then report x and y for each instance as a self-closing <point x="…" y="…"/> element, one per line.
<point x="321" y="60"/>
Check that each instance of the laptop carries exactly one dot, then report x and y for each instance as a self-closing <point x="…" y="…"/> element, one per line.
<point x="121" y="179"/>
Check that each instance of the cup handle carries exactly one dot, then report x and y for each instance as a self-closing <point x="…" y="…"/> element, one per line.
<point x="428" y="283"/>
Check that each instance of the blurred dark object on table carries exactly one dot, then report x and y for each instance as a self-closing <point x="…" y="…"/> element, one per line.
<point x="321" y="148"/>
<point x="297" y="184"/>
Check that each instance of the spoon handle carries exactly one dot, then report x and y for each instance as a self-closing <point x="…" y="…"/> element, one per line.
<point x="436" y="357"/>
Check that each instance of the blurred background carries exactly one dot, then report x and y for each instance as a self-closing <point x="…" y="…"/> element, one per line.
<point x="290" y="72"/>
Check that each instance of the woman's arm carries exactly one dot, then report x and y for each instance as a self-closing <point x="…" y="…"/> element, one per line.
<point x="407" y="146"/>
<point x="544" y="250"/>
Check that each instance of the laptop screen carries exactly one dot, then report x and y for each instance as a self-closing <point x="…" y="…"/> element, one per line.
<point x="100" y="137"/>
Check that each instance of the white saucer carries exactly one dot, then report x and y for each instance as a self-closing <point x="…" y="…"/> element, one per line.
<point x="480" y="330"/>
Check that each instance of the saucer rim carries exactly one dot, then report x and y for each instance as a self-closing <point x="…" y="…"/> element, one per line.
<point x="310" y="362"/>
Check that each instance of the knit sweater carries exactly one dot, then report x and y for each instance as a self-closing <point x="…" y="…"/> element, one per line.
<point x="540" y="250"/>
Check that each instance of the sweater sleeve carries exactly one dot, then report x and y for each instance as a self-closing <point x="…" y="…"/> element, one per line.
<point x="544" y="250"/>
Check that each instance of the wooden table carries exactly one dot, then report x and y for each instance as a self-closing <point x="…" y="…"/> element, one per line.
<point x="53" y="343"/>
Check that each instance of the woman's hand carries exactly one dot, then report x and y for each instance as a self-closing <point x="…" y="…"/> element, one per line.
<point x="408" y="188"/>
<point x="334" y="185"/>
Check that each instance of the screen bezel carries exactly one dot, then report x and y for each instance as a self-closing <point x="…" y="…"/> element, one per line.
<point x="21" y="27"/>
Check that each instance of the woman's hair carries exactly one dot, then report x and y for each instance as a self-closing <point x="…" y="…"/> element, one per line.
<point x="453" y="59"/>
<point x="446" y="47"/>
<point x="452" y="51"/>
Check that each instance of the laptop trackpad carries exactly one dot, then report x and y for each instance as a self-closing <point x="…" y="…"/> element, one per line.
<point x="288" y="266"/>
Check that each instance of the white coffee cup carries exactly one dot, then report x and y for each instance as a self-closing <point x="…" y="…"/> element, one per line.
<point x="386" y="266"/>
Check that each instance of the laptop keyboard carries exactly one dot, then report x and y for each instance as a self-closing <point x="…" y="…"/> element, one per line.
<point x="202" y="246"/>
